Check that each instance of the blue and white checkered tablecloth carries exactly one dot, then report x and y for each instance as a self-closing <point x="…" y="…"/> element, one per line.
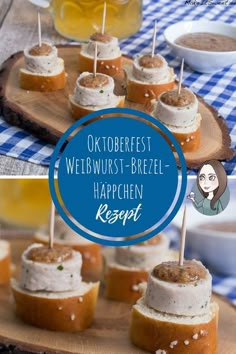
<point x="221" y="284"/>
<point x="218" y="89"/>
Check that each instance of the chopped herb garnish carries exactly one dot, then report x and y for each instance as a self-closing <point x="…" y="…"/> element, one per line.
<point x="101" y="91"/>
<point x="60" y="267"/>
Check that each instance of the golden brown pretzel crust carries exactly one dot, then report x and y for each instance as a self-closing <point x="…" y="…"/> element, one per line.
<point x="72" y="314"/>
<point x="145" y="92"/>
<point x="42" y="83"/>
<point x="104" y="66"/>
<point x="188" y="141"/>
<point x="151" y="334"/>
<point x="5" y="269"/>
<point x="122" y="284"/>
<point x="78" y="111"/>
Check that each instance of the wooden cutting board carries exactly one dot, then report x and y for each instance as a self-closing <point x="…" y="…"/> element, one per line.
<point x="47" y="115"/>
<point x="107" y="335"/>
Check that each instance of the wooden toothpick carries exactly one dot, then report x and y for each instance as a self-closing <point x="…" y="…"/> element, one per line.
<point x="104" y="17"/>
<point x="51" y="225"/>
<point x="39" y="30"/>
<point x="181" y="76"/>
<point x="95" y="60"/>
<point x="182" y="238"/>
<point x="154" y="39"/>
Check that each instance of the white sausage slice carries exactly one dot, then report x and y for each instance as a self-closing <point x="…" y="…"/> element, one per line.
<point x="145" y="256"/>
<point x="106" y="50"/>
<point x="42" y="64"/>
<point x="183" y="299"/>
<point x="55" y="277"/>
<point x="177" y="116"/>
<point x="94" y="96"/>
<point x="151" y="75"/>
<point x="63" y="234"/>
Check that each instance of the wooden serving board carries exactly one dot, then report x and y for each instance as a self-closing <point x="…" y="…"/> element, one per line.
<point x="47" y="115"/>
<point x="107" y="335"/>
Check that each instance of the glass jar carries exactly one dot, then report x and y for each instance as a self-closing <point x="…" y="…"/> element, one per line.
<point x="78" y="19"/>
<point x="24" y="202"/>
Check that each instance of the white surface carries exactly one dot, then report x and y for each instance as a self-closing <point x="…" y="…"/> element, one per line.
<point x="192" y="299"/>
<point x="216" y="248"/>
<point x="202" y="61"/>
<point x="36" y="276"/>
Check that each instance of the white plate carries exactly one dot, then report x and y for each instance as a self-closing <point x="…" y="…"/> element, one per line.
<point x="215" y="248"/>
<point x="202" y="61"/>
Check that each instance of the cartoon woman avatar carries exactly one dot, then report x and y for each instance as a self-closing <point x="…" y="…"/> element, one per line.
<point x="210" y="195"/>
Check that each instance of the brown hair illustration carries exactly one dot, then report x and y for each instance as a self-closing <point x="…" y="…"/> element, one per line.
<point x="222" y="178"/>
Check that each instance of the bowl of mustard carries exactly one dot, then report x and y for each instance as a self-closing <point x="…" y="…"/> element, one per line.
<point x="206" y="46"/>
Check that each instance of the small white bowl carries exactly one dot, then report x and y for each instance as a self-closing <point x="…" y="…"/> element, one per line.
<point x="217" y="249"/>
<point x="199" y="60"/>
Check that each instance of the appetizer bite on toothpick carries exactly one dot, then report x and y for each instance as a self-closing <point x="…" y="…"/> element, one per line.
<point x="176" y="314"/>
<point x="178" y="111"/>
<point x="148" y="76"/>
<point x="109" y="54"/>
<point x="43" y="71"/>
<point x="64" y="236"/>
<point x="5" y="262"/>
<point x="50" y="293"/>
<point x="93" y="92"/>
<point x="126" y="268"/>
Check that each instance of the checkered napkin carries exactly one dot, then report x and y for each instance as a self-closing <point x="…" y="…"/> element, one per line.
<point x="218" y="89"/>
<point x="225" y="286"/>
<point x="221" y="284"/>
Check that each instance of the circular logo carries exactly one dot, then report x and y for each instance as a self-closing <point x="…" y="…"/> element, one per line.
<point x="118" y="177"/>
<point x="210" y="193"/>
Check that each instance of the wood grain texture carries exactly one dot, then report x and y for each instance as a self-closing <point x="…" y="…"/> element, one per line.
<point x="15" y="36"/>
<point x="47" y="115"/>
<point x="19" y="29"/>
<point x="107" y="335"/>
